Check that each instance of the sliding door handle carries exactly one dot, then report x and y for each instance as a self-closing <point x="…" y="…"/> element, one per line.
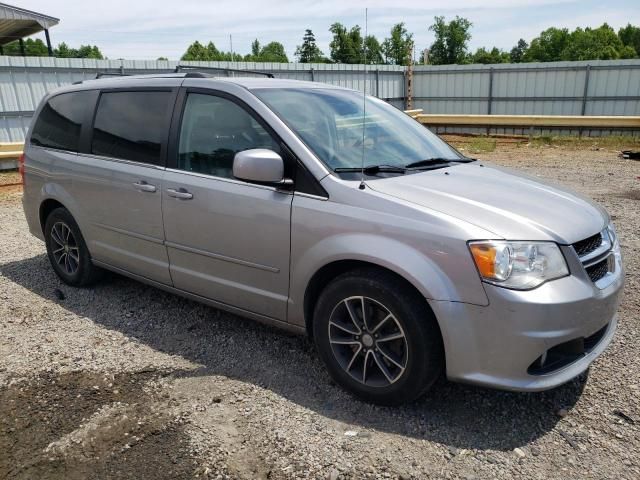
<point x="144" y="186"/>
<point x="180" y="193"/>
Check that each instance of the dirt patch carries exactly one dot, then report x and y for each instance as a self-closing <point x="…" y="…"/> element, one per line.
<point x="85" y="425"/>
<point x="9" y="176"/>
<point x="11" y="191"/>
<point x="630" y="195"/>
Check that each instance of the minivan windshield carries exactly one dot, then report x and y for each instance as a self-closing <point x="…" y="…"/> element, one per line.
<point x="330" y="122"/>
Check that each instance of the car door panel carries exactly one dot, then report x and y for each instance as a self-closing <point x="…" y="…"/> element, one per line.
<point x="214" y="242"/>
<point x="125" y="223"/>
<point x="227" y="240"/>
<point x="119" y="179"/>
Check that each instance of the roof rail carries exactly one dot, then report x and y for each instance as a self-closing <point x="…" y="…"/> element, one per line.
<point x="223" y="69"/>
<point x="111" y="74"/>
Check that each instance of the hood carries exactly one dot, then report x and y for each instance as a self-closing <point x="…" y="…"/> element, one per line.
<point x="511" y="205"/>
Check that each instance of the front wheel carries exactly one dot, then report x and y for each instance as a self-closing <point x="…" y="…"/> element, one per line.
<point x="378" y="337"/>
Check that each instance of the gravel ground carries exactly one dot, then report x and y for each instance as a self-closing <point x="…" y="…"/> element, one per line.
<point x="125" y="381"/>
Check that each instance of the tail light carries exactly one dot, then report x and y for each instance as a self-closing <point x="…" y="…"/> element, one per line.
<point x="21" y="167"/>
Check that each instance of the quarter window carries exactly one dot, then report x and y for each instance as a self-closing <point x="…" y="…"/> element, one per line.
<point x="213" y="130"/>
<point x="60" y="121"/>
<point x="131" y="125"/>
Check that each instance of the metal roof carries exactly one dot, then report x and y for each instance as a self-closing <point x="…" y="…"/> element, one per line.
<point x="16" y="22"/>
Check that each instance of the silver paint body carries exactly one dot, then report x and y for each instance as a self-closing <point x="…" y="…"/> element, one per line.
<point x="258" y="165"/>
<point x="253" y="249"/>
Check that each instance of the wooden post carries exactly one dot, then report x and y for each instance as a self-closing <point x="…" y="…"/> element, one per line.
<point x="409" y="98"/>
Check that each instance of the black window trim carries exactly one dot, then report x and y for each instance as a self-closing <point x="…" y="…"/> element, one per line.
<point x="164" y="146"/>
<point x="176" y="125"/>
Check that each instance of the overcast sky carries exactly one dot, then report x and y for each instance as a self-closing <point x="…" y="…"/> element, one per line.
<point x="147" y="29"/>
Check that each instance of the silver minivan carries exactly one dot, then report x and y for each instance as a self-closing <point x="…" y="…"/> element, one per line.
<point x="317" y="209"/>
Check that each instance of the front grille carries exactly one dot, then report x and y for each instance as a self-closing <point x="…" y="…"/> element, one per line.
<point x="588" y="245"/>
<point x="598" y="270"/>
<point x="595" y="254"/>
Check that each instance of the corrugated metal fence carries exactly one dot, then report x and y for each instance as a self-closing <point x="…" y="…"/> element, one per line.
<point x="594" y="87"/>
<point x="24" y="80"/>
<point x="561" y="88"/>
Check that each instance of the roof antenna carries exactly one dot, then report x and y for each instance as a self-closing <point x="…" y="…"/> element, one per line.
<point x="231" y="46"/>
<point x="364" y="95"/>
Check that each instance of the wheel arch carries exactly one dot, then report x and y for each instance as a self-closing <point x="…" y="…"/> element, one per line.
<point x="46" y="207"/>
<point x="332" y="270"/>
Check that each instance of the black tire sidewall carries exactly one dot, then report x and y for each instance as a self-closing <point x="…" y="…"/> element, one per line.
<point x="85" y="272"/>
<point x="424" y="342"/>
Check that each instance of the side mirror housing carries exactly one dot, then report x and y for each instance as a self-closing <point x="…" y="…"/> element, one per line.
<point x="259" y="165"/>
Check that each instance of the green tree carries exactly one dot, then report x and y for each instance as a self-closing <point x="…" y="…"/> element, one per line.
<point x="255" y="48"/>
<point x="84" y="51"/>
<point x="273" y="52"/>
<point x="495" y="55"/>
<point x="196" y="51"/>
<point x="397" y="48"/>
<point x="347" y="45"/>
<point x="309" y="52"/>
<point x="630" y="37"/>
<point x="32" y="48"/>
<point x="212" y="53"/>
<point x="549" y="46"/>
<point x="517" y="53"/>
<point x="160" y="59"/>
<point x="450" y="45"/>
<point x="89" y="51"/>
<point x="600" y="43"/>
<point x="627" y="51"/>
<point x="64" y="51"/>
<point x="209" y="53"/>
<point x="373" y="51"/>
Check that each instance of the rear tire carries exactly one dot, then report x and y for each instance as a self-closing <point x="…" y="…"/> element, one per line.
<point x="390" y="355"/>
<point x="67" y="250"/>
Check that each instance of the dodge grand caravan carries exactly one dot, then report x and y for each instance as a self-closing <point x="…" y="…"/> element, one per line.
<point x="300" y="205"/>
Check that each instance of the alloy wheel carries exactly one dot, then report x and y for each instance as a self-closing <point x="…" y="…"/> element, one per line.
<point x="64" y="248"/>
<point x="368" y="341"/>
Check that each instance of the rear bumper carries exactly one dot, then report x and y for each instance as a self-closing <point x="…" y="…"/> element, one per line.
<point x="498" y="345"/>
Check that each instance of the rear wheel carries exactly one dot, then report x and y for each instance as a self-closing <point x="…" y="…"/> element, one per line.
<point x="68" y="251"/>
<point x="378" y="337"/>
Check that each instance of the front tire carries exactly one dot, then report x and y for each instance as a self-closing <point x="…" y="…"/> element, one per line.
<point x="67" y="250"/>
<point x="378" y="337"/>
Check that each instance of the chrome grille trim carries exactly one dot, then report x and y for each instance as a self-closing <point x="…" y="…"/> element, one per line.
<point x="602" y="249"/>
<point x="598" y="262"/>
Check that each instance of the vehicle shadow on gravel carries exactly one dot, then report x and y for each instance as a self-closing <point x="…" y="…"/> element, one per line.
<point x="459" y="416"/>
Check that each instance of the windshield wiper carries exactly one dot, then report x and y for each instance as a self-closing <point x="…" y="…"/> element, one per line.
<point x="436" y="160"/>
<point x="372" y="169"/>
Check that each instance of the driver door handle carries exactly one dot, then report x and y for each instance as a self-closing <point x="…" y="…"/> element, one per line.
<point x="180" y="193"/>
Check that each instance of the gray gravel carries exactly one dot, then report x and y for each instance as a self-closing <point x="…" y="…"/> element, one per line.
<point x="125" y="381"/>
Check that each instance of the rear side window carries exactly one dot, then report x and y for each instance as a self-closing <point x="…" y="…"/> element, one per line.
<point x="131" y="125"/>
<point x="60" y="121"/>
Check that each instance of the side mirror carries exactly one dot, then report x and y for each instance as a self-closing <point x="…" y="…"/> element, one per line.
<point x="259" y="165"/>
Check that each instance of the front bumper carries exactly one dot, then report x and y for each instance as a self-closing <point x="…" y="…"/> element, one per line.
<point x="496" y="345"/>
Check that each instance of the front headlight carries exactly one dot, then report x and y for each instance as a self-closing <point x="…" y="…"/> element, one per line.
<point x="518" y="265"/>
